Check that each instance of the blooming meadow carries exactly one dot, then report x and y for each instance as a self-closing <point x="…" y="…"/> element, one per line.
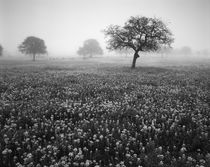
<point x="114" y="117"/>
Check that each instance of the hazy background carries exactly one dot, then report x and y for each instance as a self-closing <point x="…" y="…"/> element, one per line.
<point x="65" y="24"/>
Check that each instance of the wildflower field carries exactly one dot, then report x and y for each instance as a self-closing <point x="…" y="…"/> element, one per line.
<point x="104" y="115"/>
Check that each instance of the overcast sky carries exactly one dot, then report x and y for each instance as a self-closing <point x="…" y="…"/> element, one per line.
<point x="65" y="24"/>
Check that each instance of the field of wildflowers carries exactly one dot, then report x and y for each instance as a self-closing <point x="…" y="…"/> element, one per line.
<point x="112" y="117"/>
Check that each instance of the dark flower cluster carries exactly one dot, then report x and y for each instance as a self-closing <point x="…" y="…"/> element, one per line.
<point x="105" y="119"/>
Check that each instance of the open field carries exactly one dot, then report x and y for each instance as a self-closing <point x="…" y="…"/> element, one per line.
<point x="99" y="112"/>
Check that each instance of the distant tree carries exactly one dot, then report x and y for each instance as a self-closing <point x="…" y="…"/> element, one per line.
<point x="164" y="51"/>
<point x="1" y="50"/>
<point x="185" y="50"/>
<point x="33" y="46"/>
<point x="90" y="48"/>
<point x="204" y="52"/>
<point x="140" y="34"/>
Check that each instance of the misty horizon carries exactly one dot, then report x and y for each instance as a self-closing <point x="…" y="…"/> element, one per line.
<point x="65" y="25"/>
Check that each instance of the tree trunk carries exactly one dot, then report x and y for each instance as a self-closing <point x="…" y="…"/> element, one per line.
<point x="34" y="56"/>
<point x="135" y="56"/>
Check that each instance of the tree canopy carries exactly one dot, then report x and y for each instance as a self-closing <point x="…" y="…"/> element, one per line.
<point x="33" y="45"/>
<point x="140" y="34"/>
<point x="90" y="48"/>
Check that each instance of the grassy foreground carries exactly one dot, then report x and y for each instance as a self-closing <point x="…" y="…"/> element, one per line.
<point x="103" y="114"/>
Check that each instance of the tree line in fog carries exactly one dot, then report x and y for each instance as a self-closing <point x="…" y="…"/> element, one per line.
<point x="139" y="34"/>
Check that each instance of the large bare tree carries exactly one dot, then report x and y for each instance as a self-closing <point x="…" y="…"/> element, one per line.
<point x="140" y="34"/>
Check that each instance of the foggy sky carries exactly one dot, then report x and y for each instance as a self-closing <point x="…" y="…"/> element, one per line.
<point x="65" y="24"/>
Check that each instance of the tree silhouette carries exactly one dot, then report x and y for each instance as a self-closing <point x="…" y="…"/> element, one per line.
<point x="1" y="50"/>
<point x="90" y="48"/>
<point x="185" y="50"/>
<point x="33" y="46"/>
<point x="140" y="34"/>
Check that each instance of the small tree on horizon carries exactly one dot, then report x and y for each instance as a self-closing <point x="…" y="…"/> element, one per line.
<point x="142" y="34"/>
<point x="90" y="48"/>
<point x="33" y="46"/>
<point x="1" y="50"/>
